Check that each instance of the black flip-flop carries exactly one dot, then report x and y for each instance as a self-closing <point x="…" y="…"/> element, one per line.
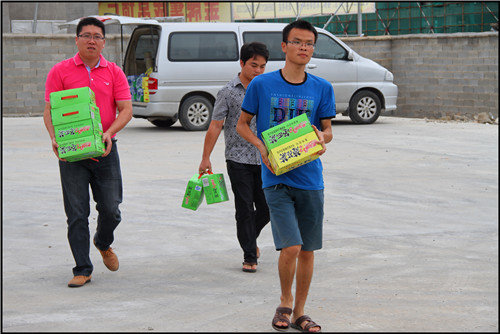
<point x="249" y="270"/>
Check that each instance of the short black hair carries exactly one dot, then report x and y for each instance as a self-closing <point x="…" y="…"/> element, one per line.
<point x="90" y="21"/>
<point x="299" y="24"/>
<point x="250" y="50"/>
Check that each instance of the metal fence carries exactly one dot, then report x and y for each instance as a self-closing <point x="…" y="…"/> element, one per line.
<point x="416" y="17"/>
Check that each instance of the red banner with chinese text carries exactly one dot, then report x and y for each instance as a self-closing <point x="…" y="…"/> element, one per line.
<point x="192" y="11"/>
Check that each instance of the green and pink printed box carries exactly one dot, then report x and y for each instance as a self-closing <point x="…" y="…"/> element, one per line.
<point x="211" y="186"/>
<point x="291" y="144"/>
<point x="77" y="124"/>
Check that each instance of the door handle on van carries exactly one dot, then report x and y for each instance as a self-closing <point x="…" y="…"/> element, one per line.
<point x="311" y="66"/>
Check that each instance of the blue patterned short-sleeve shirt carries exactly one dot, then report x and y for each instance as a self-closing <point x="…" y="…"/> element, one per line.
<point x="228" y="107"/>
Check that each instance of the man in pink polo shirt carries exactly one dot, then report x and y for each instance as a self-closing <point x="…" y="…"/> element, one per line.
<point x="89" y="68"/>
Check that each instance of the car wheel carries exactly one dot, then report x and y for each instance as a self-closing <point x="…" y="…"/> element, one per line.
<point x="163" y="123"/>
<point x="364" y="107"/>
<point x="196" y="113"/>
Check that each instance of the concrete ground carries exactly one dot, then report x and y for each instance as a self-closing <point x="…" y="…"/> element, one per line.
<point x="410" y="236"/>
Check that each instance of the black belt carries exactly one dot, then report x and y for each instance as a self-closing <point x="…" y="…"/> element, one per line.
<point x="281" y="185"/>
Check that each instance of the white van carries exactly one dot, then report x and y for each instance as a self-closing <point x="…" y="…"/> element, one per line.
<point x="191" y="62"/>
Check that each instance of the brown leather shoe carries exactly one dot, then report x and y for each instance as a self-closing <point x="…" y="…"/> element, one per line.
<point x="79" y="281"/>
<point x="109" y="258"/>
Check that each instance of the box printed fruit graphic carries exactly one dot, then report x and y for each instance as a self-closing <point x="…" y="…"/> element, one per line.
<point x="295" y="153"/>
<point x="291" y="144"/>
<point x="77" y="124"/>
<point x="286" y="131"/>
<point x="78" y="129"/>
<point x="81" y="148"/>
<point x="69" y="97"/>
<point x="194" y="193"/>
<point x="139" y="86"/>
<point x="214" y="188"/>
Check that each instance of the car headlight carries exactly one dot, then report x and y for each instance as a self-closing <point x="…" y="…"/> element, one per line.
<point x="388" y="76"/>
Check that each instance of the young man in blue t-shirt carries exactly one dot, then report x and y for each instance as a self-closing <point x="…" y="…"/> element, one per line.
<point x="295" y="198"/>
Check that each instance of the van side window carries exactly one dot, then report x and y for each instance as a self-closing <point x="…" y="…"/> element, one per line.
<point x="271" y="39"/>
<point x="327" y="48"/>
<point x="203" y="46"/>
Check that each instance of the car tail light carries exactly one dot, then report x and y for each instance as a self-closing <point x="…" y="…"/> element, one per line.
<point x="152" y="85"/>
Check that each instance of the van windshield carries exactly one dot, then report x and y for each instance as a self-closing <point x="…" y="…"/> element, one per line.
<point x="327" y="48"/>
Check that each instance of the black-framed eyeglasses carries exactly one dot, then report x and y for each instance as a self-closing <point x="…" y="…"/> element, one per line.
<point x="88" y="37"/>
<point x="299" y="43"/>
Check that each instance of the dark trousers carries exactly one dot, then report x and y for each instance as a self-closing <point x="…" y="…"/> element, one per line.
<point x="252" y="213"/>
<point x="105" y="179"/>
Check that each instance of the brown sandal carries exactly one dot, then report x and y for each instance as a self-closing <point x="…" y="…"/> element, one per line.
<point x="310" y="324"/>
<point x="280" y="316"/>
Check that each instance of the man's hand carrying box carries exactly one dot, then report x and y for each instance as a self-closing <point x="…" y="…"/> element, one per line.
<point x="211" y="186"/>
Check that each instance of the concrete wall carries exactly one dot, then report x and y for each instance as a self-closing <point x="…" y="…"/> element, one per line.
<point x="442" y="75"/>
<point x="26" y="61"/>
<point x="66" y="11"/>
<point x="438" y="75"/>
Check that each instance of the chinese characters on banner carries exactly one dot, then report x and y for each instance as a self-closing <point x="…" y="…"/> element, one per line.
<point x="192" y="11"/>
<point x="133" y="9"/>
<point x="221" y="11"/>
<point x="268" y="10"/>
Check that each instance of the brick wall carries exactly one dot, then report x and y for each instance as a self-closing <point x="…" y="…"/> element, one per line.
<point x="438" y="75"/>
<point x="26" y="61"/>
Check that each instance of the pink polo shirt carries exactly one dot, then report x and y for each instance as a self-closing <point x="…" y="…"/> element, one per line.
<point x="106" y="80"/>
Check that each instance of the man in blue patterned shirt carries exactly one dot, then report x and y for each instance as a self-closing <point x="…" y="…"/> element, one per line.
<point x="242" y="158"/>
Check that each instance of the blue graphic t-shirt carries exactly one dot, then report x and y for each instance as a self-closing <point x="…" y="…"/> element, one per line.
<point x="273" y="101"/>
